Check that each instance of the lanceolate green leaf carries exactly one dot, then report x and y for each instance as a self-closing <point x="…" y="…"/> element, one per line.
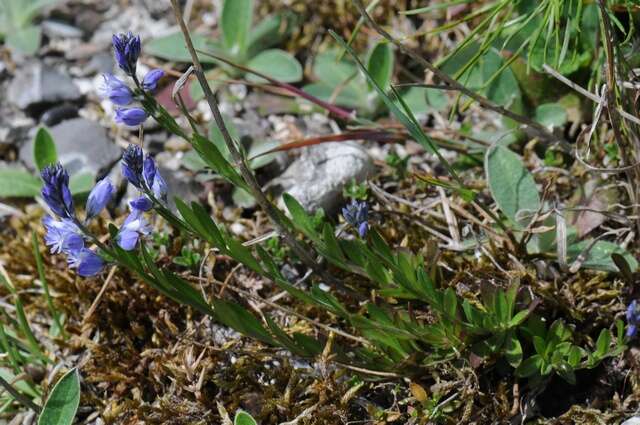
<point x="380" y="64"/>
<point x="44" y="149"/>
<point x="406" y="118"/>
<point x="172" y="47"/>
<point x="235" y="22"/>
<point x="238" y="318"/>
<point x="62" y="404"/>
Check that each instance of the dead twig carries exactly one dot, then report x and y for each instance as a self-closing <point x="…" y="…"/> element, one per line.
<point x="95" y="302"/>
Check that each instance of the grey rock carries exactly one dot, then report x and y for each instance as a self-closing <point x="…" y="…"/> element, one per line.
<point x="82" y="145"/>
<point x="38" y="85"/>
<point x="102" y="63"/>
<point x="14" y="128"/>
<point x="632" y="421"/>
<point x="59" y="113"/>
<point x="316" y="179"/>
<point x="57" y="29"/>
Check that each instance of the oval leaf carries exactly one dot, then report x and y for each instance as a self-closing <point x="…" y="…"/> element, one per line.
<point x="551" y="115"/>
<point x="62" y="404"/>
<point x="18" y="183"/>
<point x="599" y="256"/>
<point x="44" y="149"/>
<point x="511" y="185"/>
<point x="380" y="64"/>
<point x="277" y="64"/>
<point x="243" y="418"/>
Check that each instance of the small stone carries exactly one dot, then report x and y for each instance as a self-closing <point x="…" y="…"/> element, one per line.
<point x="14" y="129"/>
<point x="316" y="179"/>
<point x="88" y="20"/>
<point x="57" y="114"/>
<point x="101" y="63"/>
<point x="39" y="85"/>
<point x="83" y="147"/>
<point x="57" y="29"/>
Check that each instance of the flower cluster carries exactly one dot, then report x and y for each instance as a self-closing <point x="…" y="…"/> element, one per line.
<point x="66" y="234"/>
<point x="357" y="215"/>
<point x="126" y="49"/>
<point x="633" y="318"/>
<point x="142" y="172"/>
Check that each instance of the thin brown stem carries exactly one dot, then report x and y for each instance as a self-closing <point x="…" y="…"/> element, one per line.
<point x="277" y="217"/>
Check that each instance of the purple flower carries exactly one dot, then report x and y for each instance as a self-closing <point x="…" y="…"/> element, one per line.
<point x="55" y="190"/>
<point x="357" y="215"/>
<point x="62" y="236"/>
<point x="150" y="81"/>
<point x="126" y="48"/>
<point x="86" y="261"/>
<point x="130" y="116"/>
<point x="116" y="90"/>
<point x="132" y="164"/>
<point x="149" y="170"/>
<point x="633" y="318"/>
<point x="134" y="226"/>
<point x="141" y="204"/>
<point x="99" y="197"/>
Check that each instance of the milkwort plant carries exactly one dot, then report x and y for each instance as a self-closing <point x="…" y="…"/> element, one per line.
<point x="67" y="234"/>
<point x="389" y="337"/>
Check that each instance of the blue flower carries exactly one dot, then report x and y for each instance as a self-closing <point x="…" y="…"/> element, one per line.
<point x="55" y="190"/>
<point x="149" y="170"/>
<point x="141" y="204"/>
<point x="159" y="187"/>
<point x="99" y="197"/>
<point x="132" y="163"/>
<point x="116" y="90"/>
<point x="633" y="318"/>
<point x="150" y="81"/>
<point x="134" y="226"/>
<point x="130" y="116"/>
<point x="126" y="48"/>
<point x="62" y="236"/>
<point x="86" y="261"/>
<point x="357" y="215"/>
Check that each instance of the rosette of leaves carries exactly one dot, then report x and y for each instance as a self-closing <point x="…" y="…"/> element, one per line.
<point x="242" y="42"/>
<point x="16" y="24"/>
